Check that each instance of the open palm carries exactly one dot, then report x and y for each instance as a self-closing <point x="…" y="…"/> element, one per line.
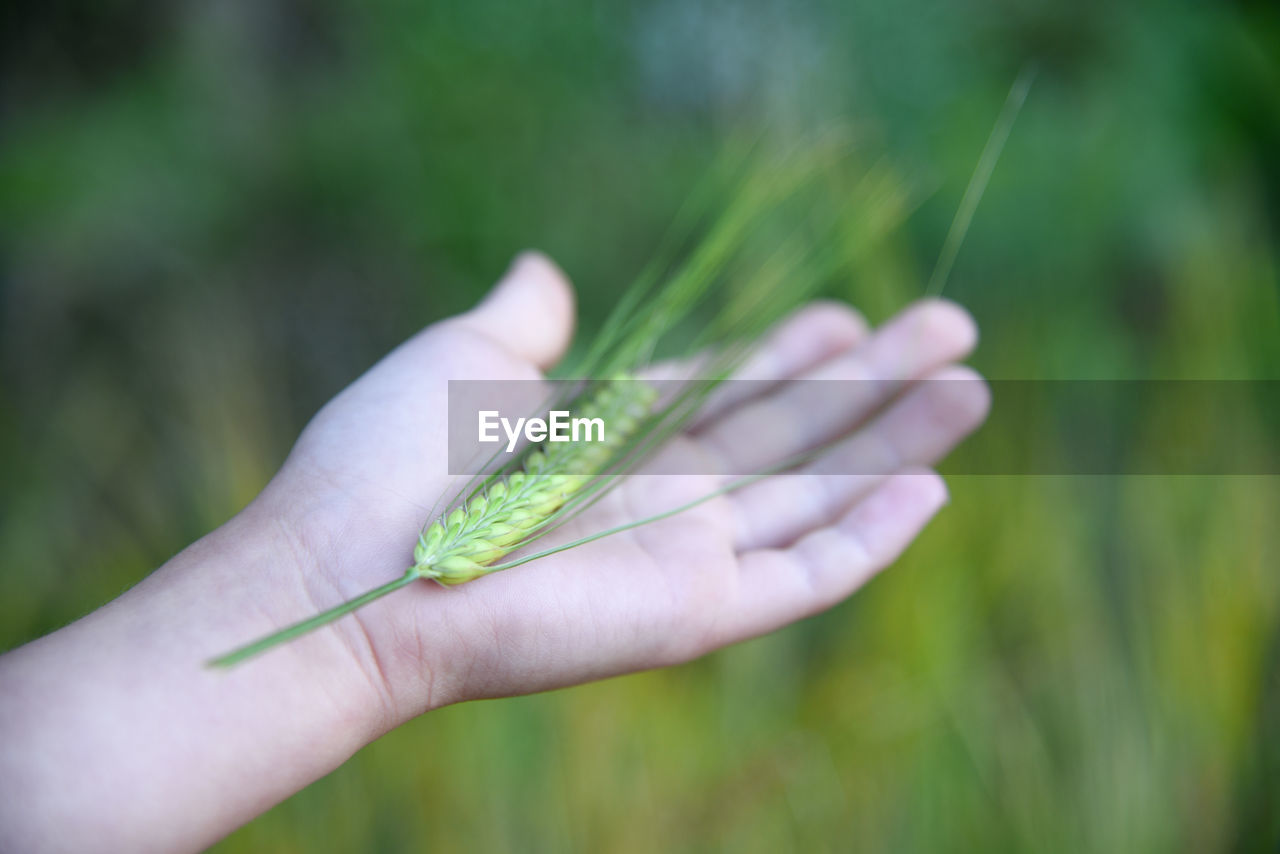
<point x="370" y="467"/>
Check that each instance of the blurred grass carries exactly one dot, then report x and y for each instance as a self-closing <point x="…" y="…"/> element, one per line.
<point x="212" y="217"/>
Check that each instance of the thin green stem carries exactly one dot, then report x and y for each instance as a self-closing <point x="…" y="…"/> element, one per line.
<point x="732" y="486"/>
<point x="978" y="181"/>
<point x="312" y="623"/>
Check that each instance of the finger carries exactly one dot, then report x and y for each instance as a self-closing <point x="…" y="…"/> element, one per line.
<point x="797" y="343"/>
<point x="842" y="392"/>
<point x="918" y="429"/>
<point x="809" y="336"/>
<point x="779" y="586"/>
<point x="530" y="311"/>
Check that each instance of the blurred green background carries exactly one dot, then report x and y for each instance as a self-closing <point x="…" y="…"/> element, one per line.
<point x="213" y="216"/>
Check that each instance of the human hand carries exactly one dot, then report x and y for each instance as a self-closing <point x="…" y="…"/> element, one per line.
<point x="117" y="739"/>
<point x="371" y="465"/>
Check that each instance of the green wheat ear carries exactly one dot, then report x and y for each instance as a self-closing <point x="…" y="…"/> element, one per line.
<point x="785" y="231"/>
<point x="512" y="511"/>
<point x="505" y="514"/>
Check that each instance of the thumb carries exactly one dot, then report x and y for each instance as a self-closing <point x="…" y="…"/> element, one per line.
<point x="530" y="311"/>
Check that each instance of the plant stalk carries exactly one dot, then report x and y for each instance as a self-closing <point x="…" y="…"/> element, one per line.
<point x="312" y="623"/>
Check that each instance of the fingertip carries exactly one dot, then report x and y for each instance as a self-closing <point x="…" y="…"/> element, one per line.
<point x="548" y="286"/>
<point x="891" y="516"/>
<point x="929" y="488"/>
<point x="534" y="265"/>
<point x="946" y="321"/>
<point x="530" y="310"/>
<point x="835" y="323"/>
<point x="961" y="395"/>
<point x="809" y="336"/>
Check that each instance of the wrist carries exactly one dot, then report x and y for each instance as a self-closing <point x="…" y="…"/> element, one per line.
<point x="387" y="646"/>
<point x="273" y="579"/>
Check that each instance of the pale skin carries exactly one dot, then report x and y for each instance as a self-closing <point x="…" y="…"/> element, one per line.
<point x="116" y="737"/>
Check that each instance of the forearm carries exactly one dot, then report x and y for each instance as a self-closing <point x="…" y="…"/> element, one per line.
<point x="117" y="737"/>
